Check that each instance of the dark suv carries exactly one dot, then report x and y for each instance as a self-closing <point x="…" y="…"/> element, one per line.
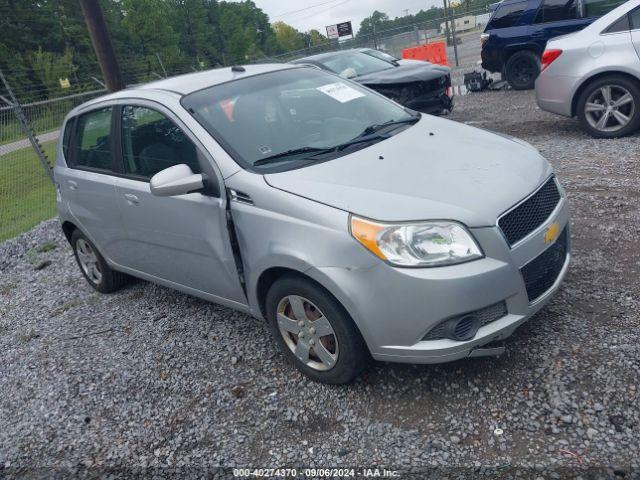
<point x="517" y="33"/>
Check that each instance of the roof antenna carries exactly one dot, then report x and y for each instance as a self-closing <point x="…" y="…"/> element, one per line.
<point x="238" y="68"/>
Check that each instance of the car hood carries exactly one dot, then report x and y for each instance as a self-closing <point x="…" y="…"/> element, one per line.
<point x="415" y="72"/>
<point x="435" y="169"/>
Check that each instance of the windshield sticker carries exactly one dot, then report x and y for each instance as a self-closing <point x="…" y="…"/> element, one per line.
<point x="340" y="91"/>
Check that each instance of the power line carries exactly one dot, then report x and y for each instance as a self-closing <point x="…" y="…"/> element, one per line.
<point x="302" y="9"/>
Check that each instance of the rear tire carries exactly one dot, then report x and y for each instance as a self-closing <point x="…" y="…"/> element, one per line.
<point x="314" y="331"/>
<point x="93" y="266"/>
<point x="621" y="120"/>
<point x="522" y="69"/>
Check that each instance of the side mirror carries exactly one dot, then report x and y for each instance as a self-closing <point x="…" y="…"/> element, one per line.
<point x="176" y="180"/>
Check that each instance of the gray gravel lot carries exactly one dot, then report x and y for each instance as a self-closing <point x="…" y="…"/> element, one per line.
<point x="148" y="377"/>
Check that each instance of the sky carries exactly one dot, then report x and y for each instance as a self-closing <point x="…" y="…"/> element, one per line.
<point x="307" y="14"/>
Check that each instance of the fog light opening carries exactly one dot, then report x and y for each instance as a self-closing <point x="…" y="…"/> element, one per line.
<point x="464" y="328"/>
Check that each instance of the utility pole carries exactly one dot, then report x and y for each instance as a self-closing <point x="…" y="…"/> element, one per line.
<point x="373" y="26"/>
<point x="446" y="21"/>
<point x="102" y="44"/>
<point x="453" y="34"/>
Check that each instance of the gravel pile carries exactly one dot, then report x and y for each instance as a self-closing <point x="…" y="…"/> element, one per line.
<point x="152" y="378"/>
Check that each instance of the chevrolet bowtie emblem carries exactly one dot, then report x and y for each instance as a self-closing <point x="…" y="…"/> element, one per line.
<point x="551" y="233"/>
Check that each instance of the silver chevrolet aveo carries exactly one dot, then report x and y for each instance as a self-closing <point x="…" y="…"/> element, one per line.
<point x="357" y="228"/>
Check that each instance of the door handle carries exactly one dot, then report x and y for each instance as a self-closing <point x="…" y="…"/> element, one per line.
<point x="131" y="199"/>
<point x="73" y="185"/>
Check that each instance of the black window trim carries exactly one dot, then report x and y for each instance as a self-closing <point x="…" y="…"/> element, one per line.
<point x="71" y="160"/>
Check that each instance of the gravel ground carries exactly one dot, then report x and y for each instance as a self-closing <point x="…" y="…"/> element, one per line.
<point x="148" y="377"/>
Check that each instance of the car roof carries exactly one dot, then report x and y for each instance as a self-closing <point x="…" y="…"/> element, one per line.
<point x="191" y="82"/>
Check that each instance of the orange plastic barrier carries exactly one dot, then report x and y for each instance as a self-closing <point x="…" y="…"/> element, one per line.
<point x="431" y="52"/>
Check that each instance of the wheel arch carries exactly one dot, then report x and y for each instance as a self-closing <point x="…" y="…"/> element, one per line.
<point x="316" y="276"/>
<point x="68" y="228"/>
<point x="587" y="81"/>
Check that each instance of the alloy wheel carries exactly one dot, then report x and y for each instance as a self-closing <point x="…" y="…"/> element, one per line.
<point x="307" y="332"/>
<point x="609" y="108"/>
<point x="88" y="261"/>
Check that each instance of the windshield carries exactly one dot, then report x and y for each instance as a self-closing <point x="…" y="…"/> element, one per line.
<point x="354" y="64"/>
<point x="298" y="112"/>
<point x="381" y="55"/>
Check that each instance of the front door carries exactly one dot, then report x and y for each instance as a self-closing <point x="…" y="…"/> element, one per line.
<point x="182" y="239"/>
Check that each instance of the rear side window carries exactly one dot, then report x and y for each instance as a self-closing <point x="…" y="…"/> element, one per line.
<point x="635" y="19"/>
<point x="507" y="15"/>
<point x="66" y="138"/>
<point x="597" y="8"/>
<point x="620" y="25"/>
<point x="92" y="145"/>
<point x="556" y="10"/>
<point x="151" y="142"/>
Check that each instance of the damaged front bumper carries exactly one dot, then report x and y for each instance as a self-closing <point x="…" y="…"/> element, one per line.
<point x="432" y="96"/>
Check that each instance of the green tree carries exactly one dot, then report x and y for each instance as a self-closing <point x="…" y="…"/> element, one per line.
<point x="377" y="19"/>
<point x="49" y="68"/>
<point x="288" y="37"/>
<point x="147" y="24"/>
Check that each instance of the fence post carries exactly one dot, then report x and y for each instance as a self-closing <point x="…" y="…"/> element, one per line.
<point x="26" y="128"/>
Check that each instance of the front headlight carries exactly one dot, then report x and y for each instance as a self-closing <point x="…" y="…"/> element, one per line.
<point x="419" y="244"/>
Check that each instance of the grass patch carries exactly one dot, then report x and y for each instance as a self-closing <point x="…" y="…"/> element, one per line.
<point x="27" y="196"/>
<point x="46" y="246"/>
<point x="6" y="288"/>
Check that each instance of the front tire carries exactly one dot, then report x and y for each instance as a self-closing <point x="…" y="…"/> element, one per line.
<point x="314" y="331"/>
<point x="93" y="266"/>
<point x="609" y="107"/>
<point x="522" y="69"/>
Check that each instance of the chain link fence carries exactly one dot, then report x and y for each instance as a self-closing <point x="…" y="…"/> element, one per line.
<point x="27" y="195"/>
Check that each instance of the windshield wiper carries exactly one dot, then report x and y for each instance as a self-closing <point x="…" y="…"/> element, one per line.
<point x="374" y="128"/>
<point x="289" y="153"/>
<point x="369" y="134"/>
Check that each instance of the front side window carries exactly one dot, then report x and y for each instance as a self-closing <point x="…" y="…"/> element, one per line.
<point x="354" y="64"/>
<point x="506" y="15"/>
<point x="92" y="146"/>
<point x="295" y="117"/>
<point x="556" y="11"/>
<point x="597" y="8"/>
<point x="151" y="142"/>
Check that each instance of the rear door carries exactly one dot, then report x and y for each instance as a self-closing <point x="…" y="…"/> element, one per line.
<point x="88" y="185"/>
<point x="182" y="239"/>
